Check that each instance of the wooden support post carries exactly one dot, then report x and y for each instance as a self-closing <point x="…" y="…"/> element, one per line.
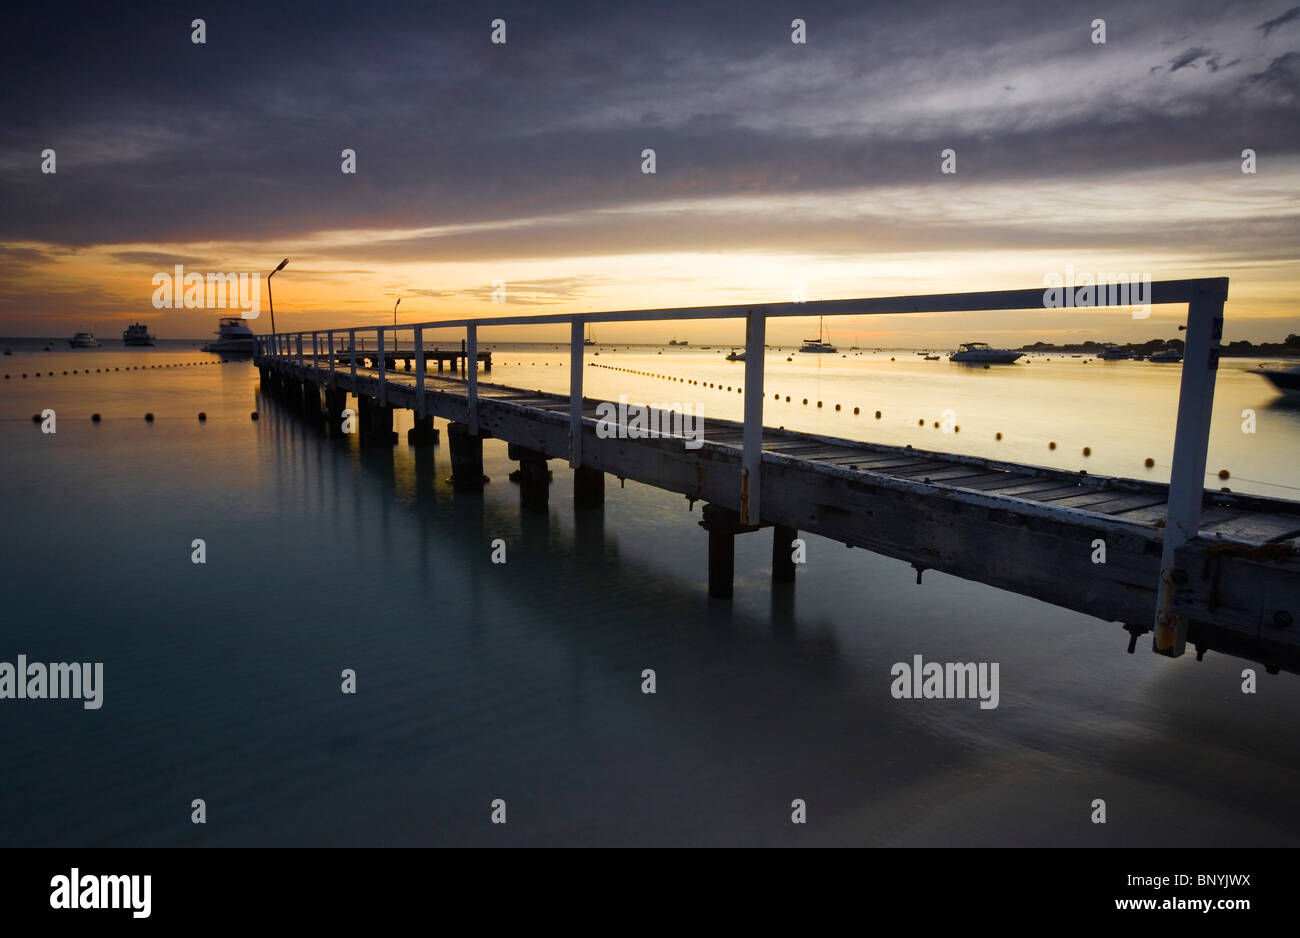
<point x="419" y="373"/>
<point x="588" y="488"/>
<point x="333" y="370"/>
<point x="1191" y="440"/>
<point x="752" y="458"/>
<point x="723" y="525"/>
<point x="783" y="553"/>
<point x="722" y="562"/>
<point x="376" y="423"/>
<point x="534" y="477"/>
<point x="352" y="352"/>
<point x="466" y="458"/>
<point x="471" y="347"/>
<point x="380" y="364"/>
<point x="424" y="433"/>
<point x="575" y="393"/>
<point x="336" y="401"/>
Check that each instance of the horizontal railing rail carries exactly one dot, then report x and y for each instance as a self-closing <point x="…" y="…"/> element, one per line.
<point x="1205" y="298"/>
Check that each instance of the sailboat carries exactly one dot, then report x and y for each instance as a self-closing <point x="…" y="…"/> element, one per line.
<point x="818" y="345"/>
<point x="590" y="339"/>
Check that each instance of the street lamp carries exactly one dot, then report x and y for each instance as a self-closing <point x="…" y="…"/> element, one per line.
<point x="269" y="298"/>
<point x="399" y="299"/>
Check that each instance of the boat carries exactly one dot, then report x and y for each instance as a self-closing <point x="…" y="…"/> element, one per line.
<point x="932" y="358"/>
<point x="233" y="337"/>
<point x="1113" y="353"/>
<point x="736" y="356"/>
<point x="137" y="334"/>
<point x="1286" y="380"/>
<point x="818" y="346"/>
<point x="83" y="340"/>
<point x="1166" y="355"/>
<point x="981" y="353"/>
<point x="675" y="342"/>
<point x="589" y="340"/>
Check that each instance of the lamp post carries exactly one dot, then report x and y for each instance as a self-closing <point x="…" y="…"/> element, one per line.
<point x="271" y="299"/>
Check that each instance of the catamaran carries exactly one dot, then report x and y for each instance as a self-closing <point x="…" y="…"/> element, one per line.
<point x="818" y="345"/>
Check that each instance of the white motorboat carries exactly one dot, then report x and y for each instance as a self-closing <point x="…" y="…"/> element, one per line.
<point x="981" y="353"/>
<point x="84" y="340"/>
<point x="233" y="337"/>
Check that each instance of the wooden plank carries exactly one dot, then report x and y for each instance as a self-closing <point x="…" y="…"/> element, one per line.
<point x="1023" y="489"/>
<point x="1046" y="495"/>
<point x="1249" y="526"/>
<point x="924" y="471"/>
<point x="1125" y="502"/>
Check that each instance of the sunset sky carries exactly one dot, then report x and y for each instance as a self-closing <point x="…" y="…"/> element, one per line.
<point x="521" y="161"/>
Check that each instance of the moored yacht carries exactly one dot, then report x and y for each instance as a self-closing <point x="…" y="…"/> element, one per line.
<point x="1113" y="353"/>
<point x="84" y="340"/>
<point x="981" y="353"/>
<point x="818" y="345"/>
<point x="1166" y="355"/>
<point x="1286" y="380"/>
<point x="137" y="334"/>
<point x="233" y="337"/>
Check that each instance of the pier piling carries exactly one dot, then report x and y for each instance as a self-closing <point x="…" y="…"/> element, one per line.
<point x="466" y="458"/>
<point x="782" y="556"/>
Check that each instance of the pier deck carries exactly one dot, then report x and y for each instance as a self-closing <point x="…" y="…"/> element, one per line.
<point x="1031" y="530"/>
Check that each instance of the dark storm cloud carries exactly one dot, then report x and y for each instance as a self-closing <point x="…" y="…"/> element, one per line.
<point x="1290" y="16"/>
<point x="240" y="139"/>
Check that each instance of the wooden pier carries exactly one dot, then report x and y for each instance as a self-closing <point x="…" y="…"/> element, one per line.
<point x="1221" y="575"/>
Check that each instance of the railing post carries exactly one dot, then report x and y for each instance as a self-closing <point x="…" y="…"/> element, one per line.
<point x="315" y="353"/>
<point x="352" y="351"/>
<point x="333" y="379"/>
<point x="419" y="371"/>
<point x="752" y="463"/>
<point x="575" y="393"/>
<point x="383" y="371"/>
<point x="302" y="365"/>
<point x="1191" y="441"/>
<point x="471" y="361"/>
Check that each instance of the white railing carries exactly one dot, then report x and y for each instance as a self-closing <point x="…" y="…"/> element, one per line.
<point x="1204" y="298"/>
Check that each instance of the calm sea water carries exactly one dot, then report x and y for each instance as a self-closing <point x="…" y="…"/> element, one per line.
<point x="522" y="681"/>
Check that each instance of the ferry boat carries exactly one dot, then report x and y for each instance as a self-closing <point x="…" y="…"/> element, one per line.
<point x="1113" y="353"/>
<point x="137" y="334"/>
<point x="1286" y="380"/>
<point x="818" y="346"/>
<point x="83" y="340"/>
<point x="981" y="353"/>
<point x="233" y="337"/>
<point x="1166" y="355"/>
